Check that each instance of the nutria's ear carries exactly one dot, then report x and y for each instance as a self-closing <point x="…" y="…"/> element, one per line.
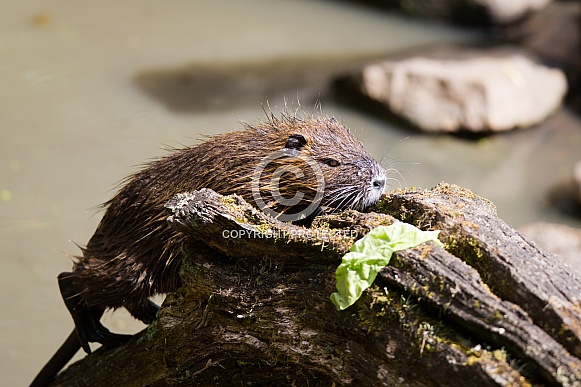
<point x="295" y="141"/>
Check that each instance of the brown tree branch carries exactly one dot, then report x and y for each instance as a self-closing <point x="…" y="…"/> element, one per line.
<point x="255" y="308"/>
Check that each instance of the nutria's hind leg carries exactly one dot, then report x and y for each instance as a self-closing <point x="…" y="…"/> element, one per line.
<point x="87" y="324"/>
<point x="145" y="312"/>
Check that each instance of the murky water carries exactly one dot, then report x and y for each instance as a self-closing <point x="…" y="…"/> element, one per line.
<point x="86" y="93"/>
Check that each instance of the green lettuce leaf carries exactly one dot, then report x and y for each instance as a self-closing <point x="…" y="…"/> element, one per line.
<point x="370" y="254"/>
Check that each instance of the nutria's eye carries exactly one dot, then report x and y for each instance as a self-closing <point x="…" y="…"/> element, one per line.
<point x="295" y="141"/>
<point x="331" y="162"/>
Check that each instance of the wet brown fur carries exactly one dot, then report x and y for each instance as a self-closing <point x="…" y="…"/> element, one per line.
<point x="134" y="254"/>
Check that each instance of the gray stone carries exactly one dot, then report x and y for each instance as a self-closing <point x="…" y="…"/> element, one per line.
<point x="476" y="94"/>
<point x="577" y="179"/>
<point x="558" y="239"/>
<point x="472" y="11"/>
<point x="503" y="11"/>
<point x="553" y="34"/>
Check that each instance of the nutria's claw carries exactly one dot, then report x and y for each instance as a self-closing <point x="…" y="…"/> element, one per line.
<point x="89" y="329"/>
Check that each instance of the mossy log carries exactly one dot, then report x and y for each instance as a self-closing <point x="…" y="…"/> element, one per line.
<point x="490" y="308"/>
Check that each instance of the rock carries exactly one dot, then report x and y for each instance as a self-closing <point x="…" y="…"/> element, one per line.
<point x="554" y="36"/>
<point x="565" y="195"/>
<point x="558" y="239"/>
<point x="470" y="11"/>
<point x="502" y="11"/>
<point x="477" y="94"/>
<point x="577" y="179"/>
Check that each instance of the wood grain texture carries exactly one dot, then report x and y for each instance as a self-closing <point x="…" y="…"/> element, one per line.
<point x="255" y="310"/>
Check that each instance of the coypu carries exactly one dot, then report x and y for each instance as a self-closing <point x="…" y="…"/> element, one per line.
<point x="291" y="168"/>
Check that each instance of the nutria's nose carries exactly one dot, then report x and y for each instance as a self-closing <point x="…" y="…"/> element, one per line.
<point x="378" y="184"/>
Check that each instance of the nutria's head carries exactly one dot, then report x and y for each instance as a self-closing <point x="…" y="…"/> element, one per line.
<point x="289" y="167"/>
<point x="306" y="164"/>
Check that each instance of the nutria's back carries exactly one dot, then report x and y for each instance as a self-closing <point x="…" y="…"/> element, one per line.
<point x="289" y="167"/>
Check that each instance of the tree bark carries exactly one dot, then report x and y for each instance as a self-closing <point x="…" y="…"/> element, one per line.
<point x="490" y="308"/>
